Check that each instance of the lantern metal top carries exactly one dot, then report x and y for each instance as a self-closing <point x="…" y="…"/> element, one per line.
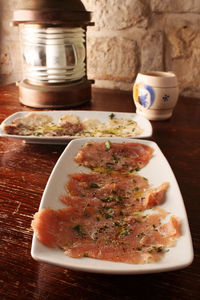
<point x="50" y="11"/>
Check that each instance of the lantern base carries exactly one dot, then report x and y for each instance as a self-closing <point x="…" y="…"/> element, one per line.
<point x="55" y="96"/>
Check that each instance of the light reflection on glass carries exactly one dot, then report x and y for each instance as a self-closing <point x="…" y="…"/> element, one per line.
<point x="53" y="55"/>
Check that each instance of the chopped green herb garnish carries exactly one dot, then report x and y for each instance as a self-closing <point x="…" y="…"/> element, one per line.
<point x="108" y="145"/>
<point x="125" y="231"/>
<point x="37" y="133"/>
<point x="86" y="214"/>
<point x="94" y="186"/>
<point x="157" y="249"/>
<point x="109" y="165"/>
<point x="112" y="116"/>
<point x="114" y="192"/>
<point x="106" y="212"/>
<point x="107" y="216"/>
<point x="141" y="234"/>
<point x="126" y="165"/>
<point x="138" y="249"/>
<point x="115" y="158"/>
<point x="137" y="169"/>
<point x="78" y="230"/>
<point x="110" y="198"/>
<point x="117" y="223"/>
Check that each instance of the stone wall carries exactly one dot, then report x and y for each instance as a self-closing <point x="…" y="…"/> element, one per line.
<point x="129" y="36"/>
<point x="10" y="59"/>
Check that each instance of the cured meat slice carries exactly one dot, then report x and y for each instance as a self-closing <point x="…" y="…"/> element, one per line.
<point x="103" y="185"/>
<point x="56" y="227"/>
<point x="141" y="238"/>
<point x="138" y="240"/>
<point x="126" y="205"/>
<point x="42" y="125"/>
<point x="47" y="225"/>
<point x="127" y="192"/>
<point x="114" y="156"/>
<point x="155" y="196"/>
<point x="26" y="124"/>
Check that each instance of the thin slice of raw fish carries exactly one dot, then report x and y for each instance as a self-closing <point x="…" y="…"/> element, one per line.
<point x="114" y="156"/>
<point x="141" y="238"/>
<point x="128" y="192"/>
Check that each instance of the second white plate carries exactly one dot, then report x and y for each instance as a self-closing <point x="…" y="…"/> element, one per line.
<point x="157" y="171"/>
<point x="102" y="116"/>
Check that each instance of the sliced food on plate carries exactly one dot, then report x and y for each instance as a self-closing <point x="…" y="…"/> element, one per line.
<point x="70" y="124"/>
<point x="126" y="192"/>
<point x="37" y="124"/>
<point x="114" y="156"/>
<point x="112" y="213"/>
<point x="135" y="239"/>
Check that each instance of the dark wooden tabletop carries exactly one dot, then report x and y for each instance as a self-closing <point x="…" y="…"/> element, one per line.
<point x="24" y="171"/>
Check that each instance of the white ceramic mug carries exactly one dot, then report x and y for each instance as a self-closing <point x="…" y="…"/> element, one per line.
<point x="155" y="94"/>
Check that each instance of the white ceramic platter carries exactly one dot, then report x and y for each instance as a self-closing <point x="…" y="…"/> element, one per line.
<point x="157" y="171"/>
<point x="102" y="116"/>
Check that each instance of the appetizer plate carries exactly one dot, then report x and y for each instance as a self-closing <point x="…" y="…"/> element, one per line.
<point x="157" y="171"/>
<point x="102" y="116"/>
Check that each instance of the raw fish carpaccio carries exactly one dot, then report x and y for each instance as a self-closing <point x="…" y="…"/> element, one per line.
<point x="112" y="213"/>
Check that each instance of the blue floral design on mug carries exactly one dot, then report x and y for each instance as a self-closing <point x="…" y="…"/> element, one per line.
<point x="144" y="95"/>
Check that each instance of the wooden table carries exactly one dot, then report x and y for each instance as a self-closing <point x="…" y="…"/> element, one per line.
<point x="24" y="171"/>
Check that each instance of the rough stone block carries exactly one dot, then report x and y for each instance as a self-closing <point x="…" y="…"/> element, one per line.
<point x="175" y="6"/>
<point x="114" y="14"/>
<point x="152" y="52"/>
<point x="6" y="65"/>
<point x="112" y="59"/>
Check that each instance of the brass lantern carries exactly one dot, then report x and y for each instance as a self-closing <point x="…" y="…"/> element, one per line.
<point x="53" y="43"/>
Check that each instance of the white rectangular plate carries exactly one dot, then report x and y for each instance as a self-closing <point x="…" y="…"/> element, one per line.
<point x="157" y="171"/>
<point x="102" y="116"/>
